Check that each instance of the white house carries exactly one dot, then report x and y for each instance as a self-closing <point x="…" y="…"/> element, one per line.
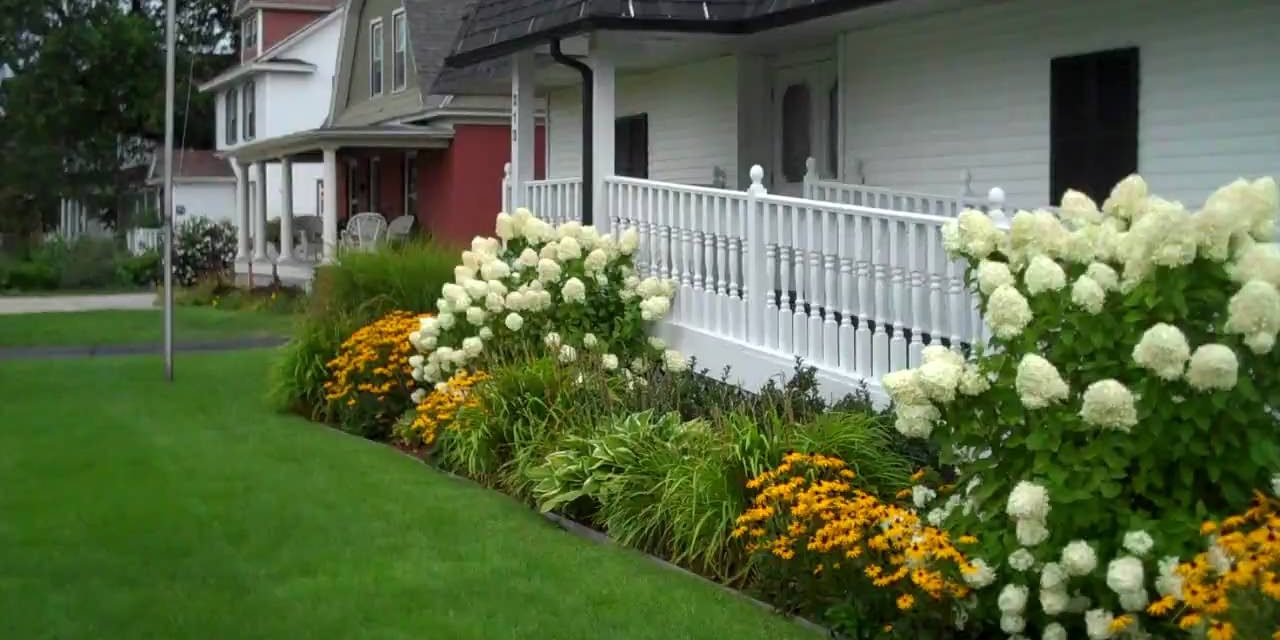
<point x="283" y="85"/>
<point x="886" y="116"/>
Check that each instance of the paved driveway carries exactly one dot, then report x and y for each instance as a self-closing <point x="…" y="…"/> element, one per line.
<point x="42" y="304"/>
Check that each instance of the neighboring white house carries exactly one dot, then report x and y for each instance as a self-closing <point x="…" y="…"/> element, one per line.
<point x="885" y="116"/>
<point x="283" y="85"/>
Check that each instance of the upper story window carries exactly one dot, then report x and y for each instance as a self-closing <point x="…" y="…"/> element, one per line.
<point x="249" y="32"/>
<point x="232" y="106"/>
<point x="375" y="57"/>
<point x="399" y="51"/>
<point x="250" y="113"/>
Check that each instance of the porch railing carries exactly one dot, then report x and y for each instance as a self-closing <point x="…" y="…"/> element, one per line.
<point x="861" y="195"/>
<point x="556" y="200"/>
<point x="141" y="240"/>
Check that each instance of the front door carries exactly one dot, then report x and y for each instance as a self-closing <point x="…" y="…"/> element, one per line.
<point x="805" y="108"/>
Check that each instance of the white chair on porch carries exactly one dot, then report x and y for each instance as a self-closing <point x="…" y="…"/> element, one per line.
<point x="398" y="229"/>
<point x="364" y="231"/>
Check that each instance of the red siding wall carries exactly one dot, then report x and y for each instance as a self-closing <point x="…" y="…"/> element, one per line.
<point x="278" y="25"/>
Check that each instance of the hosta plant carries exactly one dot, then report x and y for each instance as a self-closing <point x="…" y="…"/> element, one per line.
<point x="1126" y="395"/>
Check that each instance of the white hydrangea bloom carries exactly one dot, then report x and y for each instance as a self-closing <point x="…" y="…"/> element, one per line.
<point x="1054" y="631"/>
<point x="992" y="275"/>
<point x="1053" y="576"/>
<point x="1212" y="366"/>
<point x="476" y="290"/>
<point x="1163" y="350"/>
<point x="1219" y="559"/>
<point x="654" y="308"/>
<point x="1128" y="198"/>
<point x="1034" y="233"/>
<point x="1087" y="294"/>
<point x="472" y="346"/>
<point x="921" y="496"/>
<point x="568" y="249"/>
<point x="447" y="320"/>
<point x="470" y="260"/>
<point x="674" y="361"/>
<point x="495" y="270"/>
<point x="596" y="261"/>
<point x="552" y="340"/>
<point x="418" y="395"/>
<point x="1255" y="311"/>
<point x="1021" y="560"/>
<point x="981" y="576"/>
<point x="494" y="303"/>
<point x="528" y="259"/>
<point x="1043" y="274"/>
<point x="430" y="326"/>
<point x="1028" y="501"/>
<point x="1078" y="558"/>
<point x="476" y="315"/>
<point x="1030" y="532"/>
<point x="1007" y="312"/>
<point x="568" y="353"/>
<point x="1164" y="236"/>
<point x="656" y="343"/>
<point x="1139" y="543"/>
<point x="1038" y="382"/>
<point x="1079" y="208"/>
<point x="971" y="233"/>
<point x="1135" y="600"/>
<point x="1012" y="623"/>
<point x="514" y="321"/>
<point x="590" y="341"/>
<point x="939" y="379"/>
<point x="1078" y="603"/>
<point x="1012" y="599"/>
<point x="573" y="291"/>
<point x="485" y="333"/>
<point x="916" y="420"/>
<point x="1275" y="485"/>
<point x="548" y="270"/>
<point x="416" y="360"/>
<point x="629" y="241"/>
<point x="463" y="273"/>
<point x="1097" y="624"/>
<point x="609" y="362"/>
<point x="972" y="382"/>
<point x="903" y="387"/>
<point x="1054" y="601"/>
<point x="1108" y="404"/>
<point x="1260" y="261"/>
<point x="1124" y="574"/>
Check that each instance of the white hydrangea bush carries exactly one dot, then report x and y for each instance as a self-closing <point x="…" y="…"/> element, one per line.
<point x="536" y="290"/>
<point x="1129" y="391"/>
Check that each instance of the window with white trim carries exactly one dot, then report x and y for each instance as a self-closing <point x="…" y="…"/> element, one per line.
<point x="249" y="32"/>
<point x="232" y="124"/>
<point x="399" y="51"/>
<point x="250" y="112"/>
<point x="375" y="57"/>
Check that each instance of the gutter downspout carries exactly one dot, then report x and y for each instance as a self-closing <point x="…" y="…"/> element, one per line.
<point x="588" y="125"/>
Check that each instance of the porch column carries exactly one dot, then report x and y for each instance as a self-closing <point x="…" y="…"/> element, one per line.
<point x="330" y="205"/>
<point x="522" y="126"/>
<point x="602" y="132"/>
<point x="242" y="211"/>
<point x="260" y="214"/>
<point x="286" y="210"/>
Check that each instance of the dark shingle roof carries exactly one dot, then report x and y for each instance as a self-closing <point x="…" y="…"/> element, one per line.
<point x="433" y="24"/>
<point x="497" y="27"/>
<point x="296" y="5"/>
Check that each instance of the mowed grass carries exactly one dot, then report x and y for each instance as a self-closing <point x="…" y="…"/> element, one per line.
<point x="131" y="508"/>
<point x="140" y="326"/>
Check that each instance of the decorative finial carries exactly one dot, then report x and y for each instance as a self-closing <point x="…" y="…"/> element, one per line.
<point x="757" y="180"/>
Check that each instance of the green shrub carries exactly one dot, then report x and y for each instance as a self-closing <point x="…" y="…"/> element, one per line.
<point x="90" y="264"/>
<point x="139" y="271"/>
<point x="32" y="276"/>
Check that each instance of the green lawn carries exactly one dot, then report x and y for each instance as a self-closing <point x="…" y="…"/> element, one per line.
<point x="134" y="509"/>
<point x="94" y="328"/>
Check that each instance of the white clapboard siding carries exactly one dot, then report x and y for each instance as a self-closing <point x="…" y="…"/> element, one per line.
<point x="692" y="121"/>
<point x="929" y="97"/>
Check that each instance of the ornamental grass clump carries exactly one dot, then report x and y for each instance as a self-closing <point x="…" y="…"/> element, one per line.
<point x="370" y="379"/>
<point x="1127" y="395"/>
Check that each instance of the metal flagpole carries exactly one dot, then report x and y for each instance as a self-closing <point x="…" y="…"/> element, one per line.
<point x="170" y="47"/>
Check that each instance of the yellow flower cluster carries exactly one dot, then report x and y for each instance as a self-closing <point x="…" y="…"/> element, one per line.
<point x="438" y="409"/>
<point x="807" y="506"/>
<point x="373" y="364"/>
<point x="1237" y="582"/>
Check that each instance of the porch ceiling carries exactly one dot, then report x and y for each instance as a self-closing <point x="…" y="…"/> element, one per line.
<point x="383" y="136"/>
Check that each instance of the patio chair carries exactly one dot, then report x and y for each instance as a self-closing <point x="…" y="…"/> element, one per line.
<point x="398" y="229"/>
<point x="310" y="232"/>
<point x="364" y="231"/>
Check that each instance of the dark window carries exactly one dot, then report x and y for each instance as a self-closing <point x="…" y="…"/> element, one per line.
<point x="375" y="185"/>
<point x="631" y="146"/>
<point x="375" y="57"/>
<point x="399" y="51"/>
<point x="797" y="116"/>
<point x="353" y="189"/>
<point x="250" y="113"/>
<point x="411" y="184"/>
<point x="232" y="124"/>
<point x="833" y="131"/>
<point x="1093" y="122"/>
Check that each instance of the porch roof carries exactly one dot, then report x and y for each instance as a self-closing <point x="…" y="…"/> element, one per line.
<point x="376" y="136"/>
<point x="495" y="28"/>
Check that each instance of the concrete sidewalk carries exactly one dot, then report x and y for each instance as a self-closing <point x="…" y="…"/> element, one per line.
<point x="45" y="304"/>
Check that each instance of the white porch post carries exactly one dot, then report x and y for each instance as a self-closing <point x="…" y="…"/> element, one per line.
<point x="62" y="217"/>
<point x="602" y="133"/>
<point x="286" y="210"/>
<point x="330" y="235"/>
<point x="242" y="211"/>
<point x="522" y="126"/>
<point x="260" y="212"/>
